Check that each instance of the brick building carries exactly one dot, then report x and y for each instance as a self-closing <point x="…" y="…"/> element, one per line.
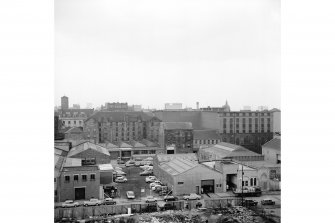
<point x="77" y="182"/>
<point x="106" y="126"/>
<point x="205" y="137"/>
<point x="74" y="117"/>
<point x="176" y="137"/>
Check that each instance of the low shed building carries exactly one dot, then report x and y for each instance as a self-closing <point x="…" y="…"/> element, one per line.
<point x="184" y="177"/>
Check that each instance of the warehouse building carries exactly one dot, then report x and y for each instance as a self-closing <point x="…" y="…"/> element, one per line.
<point x="165" y="158"/>
<point x="90" y="153"/>
<point x="184" y="177"/>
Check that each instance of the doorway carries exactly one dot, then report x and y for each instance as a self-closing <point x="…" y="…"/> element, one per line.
<point x="79" y="193"/>
<point x="207" y="186"/>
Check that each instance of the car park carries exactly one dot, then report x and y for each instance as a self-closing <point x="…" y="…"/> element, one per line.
<point x="250" y="203"/>
<point x="150" y="179"/>
<point x="121" y="179"/>
<point x="170" y="198"/>
<point x="267" y="202"/>
<point x="157" y="187"/>
<point x="117" y="168"/>
<point x="92" y="202"/>
<point x="137" y="163"/>
<point x="108" y="201"/>
<point x="70" y="204"/>
<point x="156" y="182"/>
<point x="150" y="199"/>
<point x="146" y="167"/>
<point x="130" y="195"/>
<point x="192" y="197"/>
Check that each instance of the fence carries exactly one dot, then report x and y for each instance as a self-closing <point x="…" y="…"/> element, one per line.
<point x="220" y="203"/>
<point x="86" y="212"/>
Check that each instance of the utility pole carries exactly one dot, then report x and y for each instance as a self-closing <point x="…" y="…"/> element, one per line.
<point x="242" y="184"/>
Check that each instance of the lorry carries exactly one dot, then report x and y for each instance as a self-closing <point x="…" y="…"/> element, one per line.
<point x="248" y="192"/>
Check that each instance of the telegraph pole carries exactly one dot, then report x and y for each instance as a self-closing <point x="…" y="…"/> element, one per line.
<point x="242" y="184"/>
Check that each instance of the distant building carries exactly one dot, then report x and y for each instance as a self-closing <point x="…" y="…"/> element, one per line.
<point x="135" y="108"/>
<point x="262" y="108"/>
<point x="205" y="137"/>
<point x="74" y="133"/>
<point x="224" y="108"/>
<point x="107" y="126"/>
<point x="74" y="117"/>
<point x="176" y="137"/>
<point x="89" y="106"/>
<point x="116" y="106"/>
<point x="76" y="106"/>
<point x="246" y="108"/>
<point x="65" y="102"/>
<point x="173" y="106"/>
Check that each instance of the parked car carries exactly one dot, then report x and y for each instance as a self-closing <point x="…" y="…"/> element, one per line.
<point x="130" y="195"/>
<point x="120" y="173"/>
<point x="146" y="173"/>
<point x="192" y="197"/>
<point x="146" y="167"/>
<point x="156" y="182"/>
<point x="170" y="198"/>
<point x="108" y="201"/>
<point x="250" y="203"/>
<point x="150" y="199"/>
<point x="150" y="179"/>
<point x="267" y="202"/>
<point x="117" y="168"/>
<point x="137" y="163"/>
<point x="149" y="159"/>
<point x="121" y="179"/>
<point x="130" y="163"/>
<point x="92" y="202"/>
<point x="70" y="204"/>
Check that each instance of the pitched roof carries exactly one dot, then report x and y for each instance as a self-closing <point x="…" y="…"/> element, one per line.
<point x="122" y="144"/>
<point x="72" y="162"/>
<point x="148" y="143"/>
<point x="121" y="116"/>
<point x="136" y="144"/>
<point x="273" y="144"/>
<point x="85" y="146"/>
<point x="225" y="150"/>
<point x="205" y="134"/>
<point x="178" y="166"/>
<point x="168" y="157"/>
<point x="87" y="112"/>
<point x="177" y="125"/>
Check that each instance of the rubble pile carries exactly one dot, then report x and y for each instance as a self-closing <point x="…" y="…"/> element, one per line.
<point x="223" y="215"/>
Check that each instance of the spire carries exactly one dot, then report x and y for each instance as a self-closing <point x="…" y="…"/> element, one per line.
<point x="226" y="102"/>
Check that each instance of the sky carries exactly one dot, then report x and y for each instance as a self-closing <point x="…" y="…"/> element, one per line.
<point x="154" y="52"/>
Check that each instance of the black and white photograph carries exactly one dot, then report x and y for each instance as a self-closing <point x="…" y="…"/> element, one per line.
<point x="167" y="111"/>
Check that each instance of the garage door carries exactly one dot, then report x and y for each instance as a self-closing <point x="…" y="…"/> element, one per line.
<point x="207" y="186"/>
<point x="79" y="193"/>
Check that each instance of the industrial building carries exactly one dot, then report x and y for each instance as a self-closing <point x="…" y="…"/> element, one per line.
<point x="225" y="150"/>
<point x="184" y="177"/>
<point x="272" y="150"/>
<point x="90" y="153"/>
<point x="205" y="137"/>
<point x="165" y="158"/>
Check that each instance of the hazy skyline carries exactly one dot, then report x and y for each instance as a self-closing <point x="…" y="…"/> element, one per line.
<point x="157" y="52"/>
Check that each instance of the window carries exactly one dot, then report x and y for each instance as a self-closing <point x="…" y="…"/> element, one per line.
<point x="255" y="182"/>
<point x="242" y="183"/>
<point x="79" y="122"/>
<point x="74" y="122"/>
<point x="136" y="152"/>
<point x="63" y="122"/>
<point x="92" y="177"/>
<point x="55" y="179"/>
<point x="67" y="179"/>
<point x="180" y="182"/>
<point x="84" y="177"/>
<point x="251" y="182"/>
<point x="152" y="152"/>
<point x="144" y="152"/>
<point x="246" y="183"/>
<point x="69" y="122"/>
<point x="75" y="177"/>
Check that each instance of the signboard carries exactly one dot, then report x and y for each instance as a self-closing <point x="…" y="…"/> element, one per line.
<point x="142" y="190"/>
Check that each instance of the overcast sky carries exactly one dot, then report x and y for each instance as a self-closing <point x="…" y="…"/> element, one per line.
<point x="154" y="52"/>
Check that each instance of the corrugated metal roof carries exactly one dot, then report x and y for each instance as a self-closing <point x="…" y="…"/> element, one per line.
<point x="274" y="143"/>
<point x="168" y="157"/>
<point x="177" y="125"/>
<point x="136" y="144"/>
<point x="85" y="146"/>
<point x="178" y="166"/>
<point x="222" y="150"/>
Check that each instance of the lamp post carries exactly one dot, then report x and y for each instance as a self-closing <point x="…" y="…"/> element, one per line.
<point x="242" y="185"/>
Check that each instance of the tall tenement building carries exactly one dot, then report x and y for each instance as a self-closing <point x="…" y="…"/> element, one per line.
<point x="106" y="126"/>
<point x="65" y="102"/>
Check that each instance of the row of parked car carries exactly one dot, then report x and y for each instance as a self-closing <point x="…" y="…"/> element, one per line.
<point x="254" y="203"/>
<point x="91" y="202"/>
